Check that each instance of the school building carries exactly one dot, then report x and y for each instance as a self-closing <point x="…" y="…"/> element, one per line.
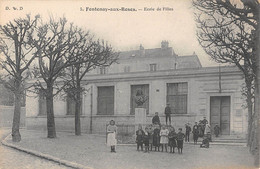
<point x="164" y="77"/>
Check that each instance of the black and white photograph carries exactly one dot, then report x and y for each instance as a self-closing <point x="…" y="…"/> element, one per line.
<point x="116" y="84"/>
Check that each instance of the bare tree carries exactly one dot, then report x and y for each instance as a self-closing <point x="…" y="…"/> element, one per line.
<point x="56" y="42"/>
<point x="229" y="33"/>
<point x="93" y="54"/>
<point x="17" y="56"/>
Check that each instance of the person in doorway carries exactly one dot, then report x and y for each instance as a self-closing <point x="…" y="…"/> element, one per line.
<point x="167" y="112"/>
<point x="156" y="119"/>
<point x="187" y="132"/>
<point x="216" y="130"/>
<point x="111" y="135"/>
<point x="195" y="132"/>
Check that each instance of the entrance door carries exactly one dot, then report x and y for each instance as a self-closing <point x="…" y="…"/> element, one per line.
<point x="220" y="113"/>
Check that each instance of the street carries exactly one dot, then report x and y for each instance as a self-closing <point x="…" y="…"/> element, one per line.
<point x="12" y="159"/>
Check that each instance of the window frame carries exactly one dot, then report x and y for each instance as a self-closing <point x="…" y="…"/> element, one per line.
<point x="107" y="98"/>
<point x="179" y="97"/>
<point x="153" y="67"/>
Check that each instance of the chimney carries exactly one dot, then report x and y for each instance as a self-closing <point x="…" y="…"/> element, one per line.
<point x="142" y="51"/>
<point x="141" y="47"/>
<point x="164" y="44"/>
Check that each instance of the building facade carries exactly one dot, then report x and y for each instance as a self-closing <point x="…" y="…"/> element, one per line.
<point x="191" y="90"/>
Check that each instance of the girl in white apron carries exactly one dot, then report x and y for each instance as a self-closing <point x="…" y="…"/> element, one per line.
<point x="111" y="135"/>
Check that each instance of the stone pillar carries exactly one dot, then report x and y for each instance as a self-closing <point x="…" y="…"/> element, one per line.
<point x="140" y="117"/>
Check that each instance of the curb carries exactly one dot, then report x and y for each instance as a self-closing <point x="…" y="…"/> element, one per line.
<point x="45" y="156"/>
<point x="220" y="143"/>
<point x="199" y="142"/>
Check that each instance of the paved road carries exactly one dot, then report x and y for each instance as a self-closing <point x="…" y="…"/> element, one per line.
<point x="14" y="159"/>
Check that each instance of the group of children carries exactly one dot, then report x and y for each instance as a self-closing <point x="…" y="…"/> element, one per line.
<point x="154" y="136"/>
<point x="163" y="136"/>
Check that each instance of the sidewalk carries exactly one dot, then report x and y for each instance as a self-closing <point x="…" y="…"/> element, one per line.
<point x="90" y="151"/>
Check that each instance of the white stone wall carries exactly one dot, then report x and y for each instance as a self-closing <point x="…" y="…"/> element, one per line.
<point x="32" y="104"/>
<point x="201" y="86"/>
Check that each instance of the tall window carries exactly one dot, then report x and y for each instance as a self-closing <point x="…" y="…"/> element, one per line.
<point x="71" y="105"/>
<point x="105" y="100"/>
<point x="153" y="67"/>
<point x="103" y="70"/>
<point x="145" y="91"/>
<point x="42" y="103"/>
<point x="127" y="69"/>
<point x="177" y="94"/>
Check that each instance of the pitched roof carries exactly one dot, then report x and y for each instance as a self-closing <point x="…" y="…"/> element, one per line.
<point x="151" y="53"/>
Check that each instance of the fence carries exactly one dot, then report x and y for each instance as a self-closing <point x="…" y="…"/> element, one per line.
<point x="6" y="116"/>
<point x="125" y="133"/>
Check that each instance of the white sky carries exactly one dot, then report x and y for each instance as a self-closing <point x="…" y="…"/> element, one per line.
<point x="124" y="30"/>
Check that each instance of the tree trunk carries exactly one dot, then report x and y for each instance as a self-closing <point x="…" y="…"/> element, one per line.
<point x="16" y="136"/>
<point x="249" y="109"/>
<point x="77" y="110"/>
<point x="50" y="114"/>
<point x="257" y="92"/>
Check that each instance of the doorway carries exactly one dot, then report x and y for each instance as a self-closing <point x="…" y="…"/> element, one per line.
<point x="220" y="113"/>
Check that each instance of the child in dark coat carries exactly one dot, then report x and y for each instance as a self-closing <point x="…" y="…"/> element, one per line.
<point x="156" y="137"/>
<point x="150" y="131"/>
<point x="216" y="130"/>
<point x="172" y="139"/>
<point x="195" y="132"/>
<point x="205" y="142"/>
<point x="139" y="137"/>
<point x="146" y="139"/>
<point x="180" y="138"/>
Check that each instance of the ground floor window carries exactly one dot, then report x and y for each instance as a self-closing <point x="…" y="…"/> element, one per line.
<point x="145" y="90"/>
<point x="177" y="97"/>
<point x="71" y="105"/>
<point x="105" y="100"/>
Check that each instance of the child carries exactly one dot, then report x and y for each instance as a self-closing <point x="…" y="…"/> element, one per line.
<point x="146" y="140"/>
<point x="180" y="137"/>
<point x="205" y="142"/>
<point x="195" y="132"/>
<point x="172" y="139"/>
<point x="139" y="137"/>
<point x="111" y="135"/>
<point x="156" y="137"/>
<point x="150" y="131"/>
<point x="216" y="130"/>
<point x="164" y="137"/>
<point x="156" y="119"/>
<point x="187" y="132"/>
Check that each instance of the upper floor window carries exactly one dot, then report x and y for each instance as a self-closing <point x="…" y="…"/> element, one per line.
<point x="127" y="69"/>
<point x="153" y="67"/>
<point x="103" y="70"/>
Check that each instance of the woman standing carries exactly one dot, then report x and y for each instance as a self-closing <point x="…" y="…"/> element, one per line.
<point x="111" y="135"/>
